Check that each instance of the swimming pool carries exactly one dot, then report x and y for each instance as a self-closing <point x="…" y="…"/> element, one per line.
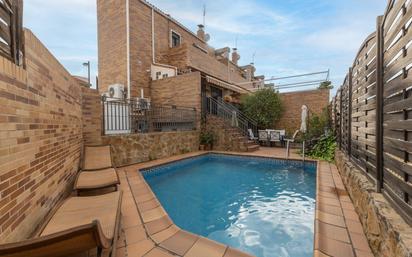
<point x="262" y="206"/>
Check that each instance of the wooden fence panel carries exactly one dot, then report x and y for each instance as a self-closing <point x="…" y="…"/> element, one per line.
<point x="11" y="30"/>
<point x="345" y="115"/>
<point x="397" y="107"/>
<point x="338" y="118"/>
<point x="373" y="107"/>
<point x="364" y="107"/>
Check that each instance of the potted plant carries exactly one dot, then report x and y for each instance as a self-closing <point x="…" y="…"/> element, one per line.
<point x="206" y="140"/>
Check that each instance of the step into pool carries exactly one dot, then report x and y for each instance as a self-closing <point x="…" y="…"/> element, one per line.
<point x="262" y="206"/>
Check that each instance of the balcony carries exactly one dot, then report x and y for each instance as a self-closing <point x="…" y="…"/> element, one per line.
<point x="194" y="57"/>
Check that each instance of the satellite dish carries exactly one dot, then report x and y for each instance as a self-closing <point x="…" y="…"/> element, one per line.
<point x="207" y="37"/>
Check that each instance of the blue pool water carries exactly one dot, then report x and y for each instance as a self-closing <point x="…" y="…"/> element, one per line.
<point x="259" y="205"/>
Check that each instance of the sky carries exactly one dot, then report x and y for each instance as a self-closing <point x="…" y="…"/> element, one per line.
<point x="282" y="37"/>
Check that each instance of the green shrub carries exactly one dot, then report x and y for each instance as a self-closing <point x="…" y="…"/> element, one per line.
<point x="207" y="138"/>
<point x="324" y="149"/>
<point x="326" y="85"/>
<point x="317" y="124"/>
<point x="264" y="106"/>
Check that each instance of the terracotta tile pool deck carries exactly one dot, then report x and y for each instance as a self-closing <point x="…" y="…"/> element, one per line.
<point x="148" y="231"/>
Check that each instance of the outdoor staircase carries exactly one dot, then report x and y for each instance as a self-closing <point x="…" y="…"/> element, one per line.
<point x="230" y="125"/>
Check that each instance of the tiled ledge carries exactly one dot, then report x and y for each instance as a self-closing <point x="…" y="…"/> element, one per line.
<point x="148" y="230"/>
<point x="338" y="231"/>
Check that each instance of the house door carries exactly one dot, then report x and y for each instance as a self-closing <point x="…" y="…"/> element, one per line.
<point x="216" y="93"/>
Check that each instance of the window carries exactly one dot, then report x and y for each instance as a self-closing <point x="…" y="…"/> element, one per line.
<point x="158" y="74"/>
<point x="175" y="42"/>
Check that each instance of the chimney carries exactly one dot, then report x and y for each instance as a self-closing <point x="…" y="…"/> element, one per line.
<point x="201" y="32"/>
<point x="235" y="56"/>
<point x="252" y="69"/>
<point x="223" y="52"/>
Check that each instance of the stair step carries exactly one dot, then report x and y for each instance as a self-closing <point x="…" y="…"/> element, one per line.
<point x="253" y="148"/>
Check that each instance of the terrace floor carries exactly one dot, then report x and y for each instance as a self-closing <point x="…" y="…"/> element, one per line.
<point x="148" y="231"/>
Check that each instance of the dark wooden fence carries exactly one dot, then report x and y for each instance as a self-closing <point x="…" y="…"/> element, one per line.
<point x="372" y="111"/>
<point x="11" y="30"/>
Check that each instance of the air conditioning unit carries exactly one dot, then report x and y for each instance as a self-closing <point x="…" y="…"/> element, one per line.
<point x="143" y="103"/>
<point x="116" y="91"/>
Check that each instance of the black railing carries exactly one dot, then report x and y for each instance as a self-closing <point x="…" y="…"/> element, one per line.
<point x="128" y="117"/>
<point x="230" y="114"/>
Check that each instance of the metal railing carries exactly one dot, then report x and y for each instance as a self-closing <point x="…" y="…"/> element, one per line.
<point x="230" y="114"/>
<point x="239" y="113"/>
<point x="128" y="117"/>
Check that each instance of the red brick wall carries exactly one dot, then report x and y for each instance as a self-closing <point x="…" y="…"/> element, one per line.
<point x="40" y="138"/>
<point x="141" y="42"/>
<point x="111" y="43"/>
<point x="316" y="100"/>
<point x="183" y="90"/>
<point x="112" y="47"/>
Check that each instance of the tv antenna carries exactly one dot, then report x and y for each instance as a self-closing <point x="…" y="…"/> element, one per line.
<point x="253" y="57"/>
<point x="204" y="15"/>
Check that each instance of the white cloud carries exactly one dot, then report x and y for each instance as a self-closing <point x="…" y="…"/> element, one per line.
<point x="346" y="39"/>
<point x="243" y="17"/>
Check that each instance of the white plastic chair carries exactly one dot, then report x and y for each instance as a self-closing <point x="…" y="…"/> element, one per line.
<point x="251" y="135"/>
<point x="274" y="136"/>
<point x="263" y="136"/>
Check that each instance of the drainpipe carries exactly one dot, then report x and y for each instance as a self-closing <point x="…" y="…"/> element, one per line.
<point x="153" y="38"/>
<point x="128" y="48"/>
<point x="153" y="46"/>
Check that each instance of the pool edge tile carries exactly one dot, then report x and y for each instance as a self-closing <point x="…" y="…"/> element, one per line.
<point x="326" y="173"/>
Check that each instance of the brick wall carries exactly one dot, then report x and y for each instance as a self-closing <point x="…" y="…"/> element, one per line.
<point x="210" y="65"/>
<point x="183" y="90"/>
<point x="91" y="116"/>
<point x="316" y="100"/>
<point x="111" y="43"/>
<point x="141" y="42"/>
<point x="40" y="138"/>
<point x="112" y="53"/>
<point x="189" y="56"/>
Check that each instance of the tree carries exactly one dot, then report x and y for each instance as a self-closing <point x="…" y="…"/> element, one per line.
<point x="326" y="85"/>
<point x="264" y="106"/>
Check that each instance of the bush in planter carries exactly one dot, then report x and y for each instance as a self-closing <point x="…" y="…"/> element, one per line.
<point x="207" y="138"/>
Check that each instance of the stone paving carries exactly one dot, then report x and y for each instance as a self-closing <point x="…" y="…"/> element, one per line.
<point x="148" y="231"/>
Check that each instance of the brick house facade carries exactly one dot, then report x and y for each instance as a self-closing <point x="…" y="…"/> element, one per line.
<point x="141" y="46"/>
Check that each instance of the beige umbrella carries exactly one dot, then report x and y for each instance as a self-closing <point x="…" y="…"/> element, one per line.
<point x="303" y="126"/>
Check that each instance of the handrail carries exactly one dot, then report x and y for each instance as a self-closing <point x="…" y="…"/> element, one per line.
<point x="231" y="106"/>
<point x="214" y="107"/>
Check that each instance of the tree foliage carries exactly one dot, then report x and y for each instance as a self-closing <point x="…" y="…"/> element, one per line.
<point x="264" y="106"/>
<point x="326" y="85"/>
<point x="317" y="123"/>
